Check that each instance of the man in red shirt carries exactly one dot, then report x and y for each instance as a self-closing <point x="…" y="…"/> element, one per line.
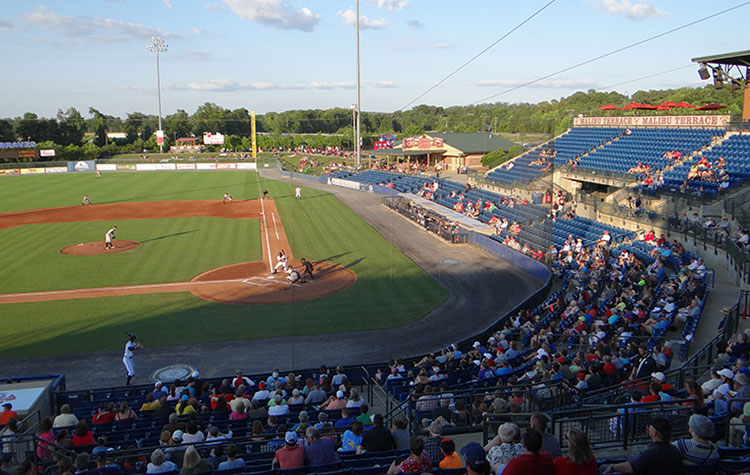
<point x="291" y="455"/>
<point x="532" y="461"/>
<point x="7" y="414"/>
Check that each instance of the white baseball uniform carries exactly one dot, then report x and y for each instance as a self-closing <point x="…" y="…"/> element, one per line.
<point x="109" y="235"/>
<point x="298" y="192"/>
<point x="127" y="357"/>
<point x="281" y="262"/>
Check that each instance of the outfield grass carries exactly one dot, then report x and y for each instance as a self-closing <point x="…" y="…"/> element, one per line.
<point x="390" y="290"/>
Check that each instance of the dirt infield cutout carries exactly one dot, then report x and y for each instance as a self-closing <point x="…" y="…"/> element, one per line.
<point x="243" y="283"/>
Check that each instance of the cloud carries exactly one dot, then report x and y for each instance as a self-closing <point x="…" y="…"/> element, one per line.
<point x="168" y="4"/>
<point x="350" y="18"/>
<point x="83" y="27"/>
<point x="392" y="5"/>
<point x="635" y="11"/>
<point x="195" y="55"/>
<point x="416" y="24"/>
<point x="443" y="45"/>
<point x="549" y="84"/>
<point x="214" y="7"/>
<point x="274" y="13"/>
<point x="197" y="31"/>
<point x="4" y="25"/>
<point x="226" y="85"/>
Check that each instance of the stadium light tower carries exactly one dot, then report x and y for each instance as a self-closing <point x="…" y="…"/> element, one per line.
<point x="358" y="139"/>
<point x="157" y="46"/>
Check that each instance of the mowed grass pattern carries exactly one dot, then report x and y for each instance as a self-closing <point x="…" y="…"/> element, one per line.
<point x="390" y="291"/>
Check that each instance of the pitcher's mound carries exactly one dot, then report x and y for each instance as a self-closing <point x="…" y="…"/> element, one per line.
<point x="97" y="247"/>
<point x="252" y="283"/>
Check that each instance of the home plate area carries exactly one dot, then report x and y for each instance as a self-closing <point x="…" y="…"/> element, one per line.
<point x="250" y="283"/>
<point x="268" y="281"/>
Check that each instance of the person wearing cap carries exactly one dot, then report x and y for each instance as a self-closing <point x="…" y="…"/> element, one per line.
<point x="159" y="463"/>
<point x="502" y="449"/>
<point x="698" y="450"/>
<point x="580" y="459"/>
<point x="319" y="451"/>
<point x="432" y="443"/>
<point x="658" y="458"/>
<point x="131" y="346"/>
<point x="417" y="462"/>
<point x="714" y="382"/>
<point x="7" y="414"/>
<point x="451" y="459"/>
<point x="175" y="449"/>
<point x="233" y="462"/>
<point x="378" y="439"/>
<point x="335" y="403"/>
<point x="533" y="460"/>
<point x="291" y="455"/>
<point x="159" y="391"/>
<point x="262" y="394"/>
<point x="661" y="378"/>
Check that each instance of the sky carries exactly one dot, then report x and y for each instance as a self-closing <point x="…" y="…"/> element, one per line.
<point x="277" y="55"/>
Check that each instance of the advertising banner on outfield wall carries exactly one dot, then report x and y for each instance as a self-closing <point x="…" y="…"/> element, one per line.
<point x="654" y="121"/>
<point x="30" y="171"/>
<point x="10" y="171"/>
<point x="205" y="166"/>
<point x="246" y="166"/>
<point x="226" y="166"/>
<point x="126" y="166"/>
<point x="186" y="166"/>
<point x="56" y="170"/>
<point x="82" y="166"/>
<point x="165" y="166"/>
<point x="106" y="167"/>
<point x="345" y="183"/>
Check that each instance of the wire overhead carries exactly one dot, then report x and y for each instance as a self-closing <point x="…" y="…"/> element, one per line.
<point x="437" y="84"/>
<point x="618" y="50"/>
<point x="648" y="77"/>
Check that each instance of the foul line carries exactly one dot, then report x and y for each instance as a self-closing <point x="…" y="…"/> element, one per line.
<point x="273" y="217"/>
<point x="265" y="228"/>
<point x="124" y="287"/>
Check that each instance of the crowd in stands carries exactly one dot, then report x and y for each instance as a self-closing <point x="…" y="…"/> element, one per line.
<point x="428" y="219"/>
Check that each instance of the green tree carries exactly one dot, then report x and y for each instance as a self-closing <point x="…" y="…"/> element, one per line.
<point x="6" y="131"/>
<point x="71" y="125"/>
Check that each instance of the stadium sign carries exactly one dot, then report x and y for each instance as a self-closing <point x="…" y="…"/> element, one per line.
<point x="423" y="143"/>
<point x="82" y="166"/>
<point x="654" y="121"/>
<point x="213" y="139"/>
<point x="31" y="144"/>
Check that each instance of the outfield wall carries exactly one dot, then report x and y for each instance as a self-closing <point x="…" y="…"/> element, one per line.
<point x="82" y="166"/>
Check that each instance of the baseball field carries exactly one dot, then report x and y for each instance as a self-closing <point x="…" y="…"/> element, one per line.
<point x="200" y="271"/>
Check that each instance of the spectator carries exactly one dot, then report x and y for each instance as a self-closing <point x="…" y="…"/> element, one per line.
<point x="297" y="399"/>
<point x="335" y="402"/>
<point x="159" y="463"/>
<point x="125" y="413"/>
<point x="550" y="444"/>
<point x="63" y="438"/>
<point x="417" y="462"/>
<point x="279" y="407"/>
<point x="432" y="443"/>
<point x="364" y="417"/>
<point x="66" y="418"/>
<point x="7" y="414"/>
<point x="105" y="415"/>
<point x="316" y="396"/>
<point x="192" y="463"/>
<point x="580" y="459"/>
<point x="45" y="434"/>
<point x="658" y="458"/>
<point x="319" y="451"/>
<point x="64" y="466"/>
<point x="400" y="434"/>
<point x="214" y="435"/>
<point x="378" y="439"/>
<point x="352" y="438"/>
<point x="355" y="400"/>
<point x="475" y="459"/>
<point x="81" y="463"/>
<point x="150" y="403"/>
<point x="345" y="420"/>
<point x="291" y="455"/>
<point x="192" y="435"/>
<point x="451" y="459"/>
<point x="233" y="462"/>
<point x="698" y="450"/>
<point x="83" y="435"/>
<point x="503" y="448"/>
<point x="533" y="460"/>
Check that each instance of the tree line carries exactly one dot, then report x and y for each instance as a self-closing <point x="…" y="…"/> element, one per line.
<point x="75" y="136"/>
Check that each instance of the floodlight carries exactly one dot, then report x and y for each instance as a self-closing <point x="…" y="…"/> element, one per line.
<point x="703" y="72"/>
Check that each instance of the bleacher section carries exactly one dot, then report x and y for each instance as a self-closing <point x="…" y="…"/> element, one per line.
<point x="736" y="152"/>
<point x="542" y="235"/>
<point x="647" y="146"/>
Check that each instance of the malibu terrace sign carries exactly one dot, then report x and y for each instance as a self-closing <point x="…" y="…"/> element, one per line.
<point x="654" y="121"/>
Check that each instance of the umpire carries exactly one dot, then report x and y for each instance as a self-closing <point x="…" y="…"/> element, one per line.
<point x="308" y="272"/>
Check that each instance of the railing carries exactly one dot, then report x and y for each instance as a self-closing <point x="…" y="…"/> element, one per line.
<point x="428" y="220"/>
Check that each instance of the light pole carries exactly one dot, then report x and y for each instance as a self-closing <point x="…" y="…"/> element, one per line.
<point x="157" y="46"/>
<point x="358" y="138"/>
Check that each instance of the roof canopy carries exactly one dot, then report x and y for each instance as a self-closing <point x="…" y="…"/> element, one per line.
<point x="740" y="58"/>
<point x="474" y="142"/>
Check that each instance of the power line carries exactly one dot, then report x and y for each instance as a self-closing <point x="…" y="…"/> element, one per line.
<point x="632" y="45"/>
<point x="479" y="54"/>
<point x="649" y="76"/>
